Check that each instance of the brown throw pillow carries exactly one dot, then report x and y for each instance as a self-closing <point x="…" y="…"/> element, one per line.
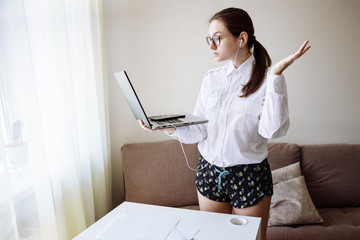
<point x="286" y="173"/>
<point x="291" y="203"/>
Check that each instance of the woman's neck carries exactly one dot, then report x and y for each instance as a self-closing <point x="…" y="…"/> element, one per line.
<point x="242" y="56"/>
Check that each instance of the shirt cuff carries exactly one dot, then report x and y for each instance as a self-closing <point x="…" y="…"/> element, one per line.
<point x="275" y="83"/>
<point x="174" y="134"/>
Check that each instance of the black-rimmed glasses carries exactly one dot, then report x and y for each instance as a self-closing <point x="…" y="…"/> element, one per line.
<point x="215" y="39"/>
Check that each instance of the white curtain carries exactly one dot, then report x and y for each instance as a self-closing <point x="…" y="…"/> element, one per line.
<point x="54" y="135"/>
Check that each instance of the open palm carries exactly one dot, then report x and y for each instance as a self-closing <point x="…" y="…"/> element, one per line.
<point x="280" y="66"/>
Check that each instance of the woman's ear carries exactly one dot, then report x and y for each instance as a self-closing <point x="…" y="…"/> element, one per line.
<point x="243" y="39"/>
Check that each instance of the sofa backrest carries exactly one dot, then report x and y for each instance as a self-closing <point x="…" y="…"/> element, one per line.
<point x="283" y="154"/>
<point x="145" y="165"/>
<point x="332" y="174"/>
<point x="331" y="171"/>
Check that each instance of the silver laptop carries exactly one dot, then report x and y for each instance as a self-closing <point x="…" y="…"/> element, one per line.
<point x="153" y="122"/>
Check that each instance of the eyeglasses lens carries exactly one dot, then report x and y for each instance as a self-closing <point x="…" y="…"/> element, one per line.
<point x="208" y="40"/>
<point x="215" y="40"/>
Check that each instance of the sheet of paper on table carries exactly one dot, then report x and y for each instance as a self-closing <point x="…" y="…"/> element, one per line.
<point x="129" y="226"/>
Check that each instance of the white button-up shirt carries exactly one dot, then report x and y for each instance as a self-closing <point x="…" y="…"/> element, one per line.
<point x="238" y="127"/>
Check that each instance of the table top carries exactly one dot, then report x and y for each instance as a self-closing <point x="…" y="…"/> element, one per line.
<point x="210" y="225"/>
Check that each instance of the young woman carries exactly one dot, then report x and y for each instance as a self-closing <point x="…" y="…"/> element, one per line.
<point x="246" y="104"/>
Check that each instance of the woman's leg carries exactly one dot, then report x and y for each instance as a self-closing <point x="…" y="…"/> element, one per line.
<point x="260" y="210"/>
<point x="213" y="206"/>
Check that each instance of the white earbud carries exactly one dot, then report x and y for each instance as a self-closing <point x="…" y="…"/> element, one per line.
<point x="239" y="47"/>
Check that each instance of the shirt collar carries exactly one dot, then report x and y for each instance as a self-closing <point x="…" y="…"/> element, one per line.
<point x="245" y="68"/>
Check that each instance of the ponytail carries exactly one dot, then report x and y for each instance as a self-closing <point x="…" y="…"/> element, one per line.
<point x="262" y="62"/>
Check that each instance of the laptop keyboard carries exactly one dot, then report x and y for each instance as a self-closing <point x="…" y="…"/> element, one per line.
<point x="172" y="121"/>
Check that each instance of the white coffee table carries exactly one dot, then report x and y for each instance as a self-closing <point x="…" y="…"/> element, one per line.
<point x="211" y="225"/>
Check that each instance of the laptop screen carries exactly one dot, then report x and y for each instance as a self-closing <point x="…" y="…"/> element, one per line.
<point x="131" y="97"/>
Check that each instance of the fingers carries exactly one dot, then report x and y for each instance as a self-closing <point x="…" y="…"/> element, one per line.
<point x="307" y="48"/>
<point x="304" y="45"/>
<point x="303" y="49"/>
<point x="142" y="124"/>
<point x="279" y="67"/>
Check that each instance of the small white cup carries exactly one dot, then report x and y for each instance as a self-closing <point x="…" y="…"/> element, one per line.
<point x="238" y="221"/>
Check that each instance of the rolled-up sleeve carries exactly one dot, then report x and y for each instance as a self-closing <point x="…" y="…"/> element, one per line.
<point x="190" y="134"/>
<point x="274" y="119"/>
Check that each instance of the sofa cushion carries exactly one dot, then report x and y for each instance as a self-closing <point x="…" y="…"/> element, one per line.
<point x="339" y="223"/>
<point x="340" y="216"/>
<point x="301" y="232"/>
<point x="156" y="173"/>
<point x="332" y="174"/>
<point x="282" y="154"/>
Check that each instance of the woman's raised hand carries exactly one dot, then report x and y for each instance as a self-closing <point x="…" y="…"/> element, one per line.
<point x="280" y="66"/>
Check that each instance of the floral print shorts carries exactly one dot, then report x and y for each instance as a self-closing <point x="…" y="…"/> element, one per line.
<point x="243" y="185"/>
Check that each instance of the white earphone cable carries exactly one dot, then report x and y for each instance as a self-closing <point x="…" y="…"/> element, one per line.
<point x="187" y="161"/>
<point x="237" y="51"/>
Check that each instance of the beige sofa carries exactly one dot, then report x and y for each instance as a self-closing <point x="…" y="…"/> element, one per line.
<point x="157" y="173"/>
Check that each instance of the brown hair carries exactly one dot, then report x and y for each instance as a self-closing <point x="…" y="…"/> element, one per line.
<point x="237" y="20"/>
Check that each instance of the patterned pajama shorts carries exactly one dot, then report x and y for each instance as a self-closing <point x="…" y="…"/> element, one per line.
<point x="243" y="185"/>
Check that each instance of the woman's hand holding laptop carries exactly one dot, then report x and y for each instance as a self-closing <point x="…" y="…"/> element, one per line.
<point x="168" y="130"/>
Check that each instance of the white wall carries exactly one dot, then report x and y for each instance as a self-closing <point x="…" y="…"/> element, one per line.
<point x="161" y="44"/>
